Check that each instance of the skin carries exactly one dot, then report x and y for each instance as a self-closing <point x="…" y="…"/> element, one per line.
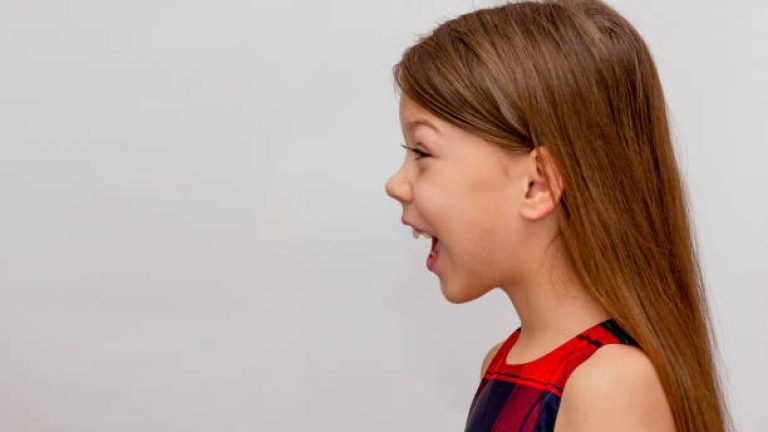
<point x="494" y="216"/>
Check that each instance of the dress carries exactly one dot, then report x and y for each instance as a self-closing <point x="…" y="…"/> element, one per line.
<point x="525" y="397"/>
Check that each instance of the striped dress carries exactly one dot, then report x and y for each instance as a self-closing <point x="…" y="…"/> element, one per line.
<point x="525" y="397"/>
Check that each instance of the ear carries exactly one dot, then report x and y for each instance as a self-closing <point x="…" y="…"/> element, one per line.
<point x="542" y="174"/>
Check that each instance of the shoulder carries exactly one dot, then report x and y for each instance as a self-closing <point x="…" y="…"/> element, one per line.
<point x="488" y="357"/>
<point x="617" y="387"/>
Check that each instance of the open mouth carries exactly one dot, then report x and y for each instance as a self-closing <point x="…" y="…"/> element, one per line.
<point x="434" y="254"/>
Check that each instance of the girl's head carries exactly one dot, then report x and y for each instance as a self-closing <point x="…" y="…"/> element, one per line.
<point x="522" y="94"/>
<point x="551" y="137"/>
<point x="489" y="207"/>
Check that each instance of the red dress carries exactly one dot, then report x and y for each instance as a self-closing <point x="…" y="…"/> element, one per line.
<point x="525" y="397"/>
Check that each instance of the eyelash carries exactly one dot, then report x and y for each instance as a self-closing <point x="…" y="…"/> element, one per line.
<point x="420" y="153"/>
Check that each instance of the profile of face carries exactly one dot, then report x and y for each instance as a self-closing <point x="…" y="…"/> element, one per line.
<point x="489" y="208"/>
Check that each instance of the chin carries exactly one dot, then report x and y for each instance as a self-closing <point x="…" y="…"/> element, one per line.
<point x="459" y="296"/>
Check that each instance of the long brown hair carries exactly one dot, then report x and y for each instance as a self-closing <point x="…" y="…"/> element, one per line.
<point x="576" y="77"/>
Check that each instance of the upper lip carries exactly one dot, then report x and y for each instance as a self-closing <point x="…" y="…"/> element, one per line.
<point x="405" y="222"/>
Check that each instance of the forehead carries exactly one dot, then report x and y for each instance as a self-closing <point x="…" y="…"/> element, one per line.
<point x="413" y="115"/>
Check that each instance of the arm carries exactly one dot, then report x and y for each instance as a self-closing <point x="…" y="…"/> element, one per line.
<point x="617" y="388"/>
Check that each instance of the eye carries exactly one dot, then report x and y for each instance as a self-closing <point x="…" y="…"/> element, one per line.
<point x="420" y="154"/>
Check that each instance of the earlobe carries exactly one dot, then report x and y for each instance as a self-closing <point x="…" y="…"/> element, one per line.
<point x="538" y="205"/>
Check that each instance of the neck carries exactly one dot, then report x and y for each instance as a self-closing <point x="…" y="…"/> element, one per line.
<point x="552" y="304"/>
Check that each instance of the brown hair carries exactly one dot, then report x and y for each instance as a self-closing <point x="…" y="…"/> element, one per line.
<point x="576" y="77"/>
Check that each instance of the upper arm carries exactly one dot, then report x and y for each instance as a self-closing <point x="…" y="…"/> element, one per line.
<point x="617" y="388"/>
<point x="489" y="357"/>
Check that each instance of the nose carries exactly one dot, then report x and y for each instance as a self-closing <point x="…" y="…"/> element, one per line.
<point x="397" y="187"/>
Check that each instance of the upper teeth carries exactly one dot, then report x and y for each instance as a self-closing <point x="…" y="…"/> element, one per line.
<point x="417" y="233"/>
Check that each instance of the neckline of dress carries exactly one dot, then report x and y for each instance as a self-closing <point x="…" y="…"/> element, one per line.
<point x="516" y="334"/>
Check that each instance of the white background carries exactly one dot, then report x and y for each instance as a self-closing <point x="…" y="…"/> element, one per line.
<point x="195" y="236"/>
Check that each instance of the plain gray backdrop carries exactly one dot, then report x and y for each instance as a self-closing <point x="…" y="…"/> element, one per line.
<point x="195" y="236"/>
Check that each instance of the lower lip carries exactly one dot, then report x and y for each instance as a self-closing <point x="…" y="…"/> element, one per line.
<point x="432" y="260"/>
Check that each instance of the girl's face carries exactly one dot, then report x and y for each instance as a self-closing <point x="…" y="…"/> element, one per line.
<point x="468" y="193"/>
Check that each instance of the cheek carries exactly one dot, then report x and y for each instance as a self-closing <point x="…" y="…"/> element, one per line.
<point x="489" y="225"/>
<point x="485" y="205"/>
<point x="448" y="203"/>
<point x="468" y="211"/>
<point x="430" y="196"/>
<point x="432" y="206"/>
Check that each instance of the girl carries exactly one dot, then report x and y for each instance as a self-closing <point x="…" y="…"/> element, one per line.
<point x="541" y="162"/>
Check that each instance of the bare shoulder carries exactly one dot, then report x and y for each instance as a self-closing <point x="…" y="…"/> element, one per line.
<point x="488" y="357"/>
<point x="616" y="388"/>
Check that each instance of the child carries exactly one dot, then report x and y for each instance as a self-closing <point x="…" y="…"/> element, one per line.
<point x="541" y="162"/>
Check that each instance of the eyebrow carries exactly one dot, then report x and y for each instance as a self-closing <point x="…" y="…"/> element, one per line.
<point x="421" y="122"/>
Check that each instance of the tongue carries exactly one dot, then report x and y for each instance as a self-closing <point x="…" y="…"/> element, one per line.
<point x="434" y="244"/>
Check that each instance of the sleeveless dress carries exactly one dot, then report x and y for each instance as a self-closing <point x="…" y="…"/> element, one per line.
<point x="525" y="397"/>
